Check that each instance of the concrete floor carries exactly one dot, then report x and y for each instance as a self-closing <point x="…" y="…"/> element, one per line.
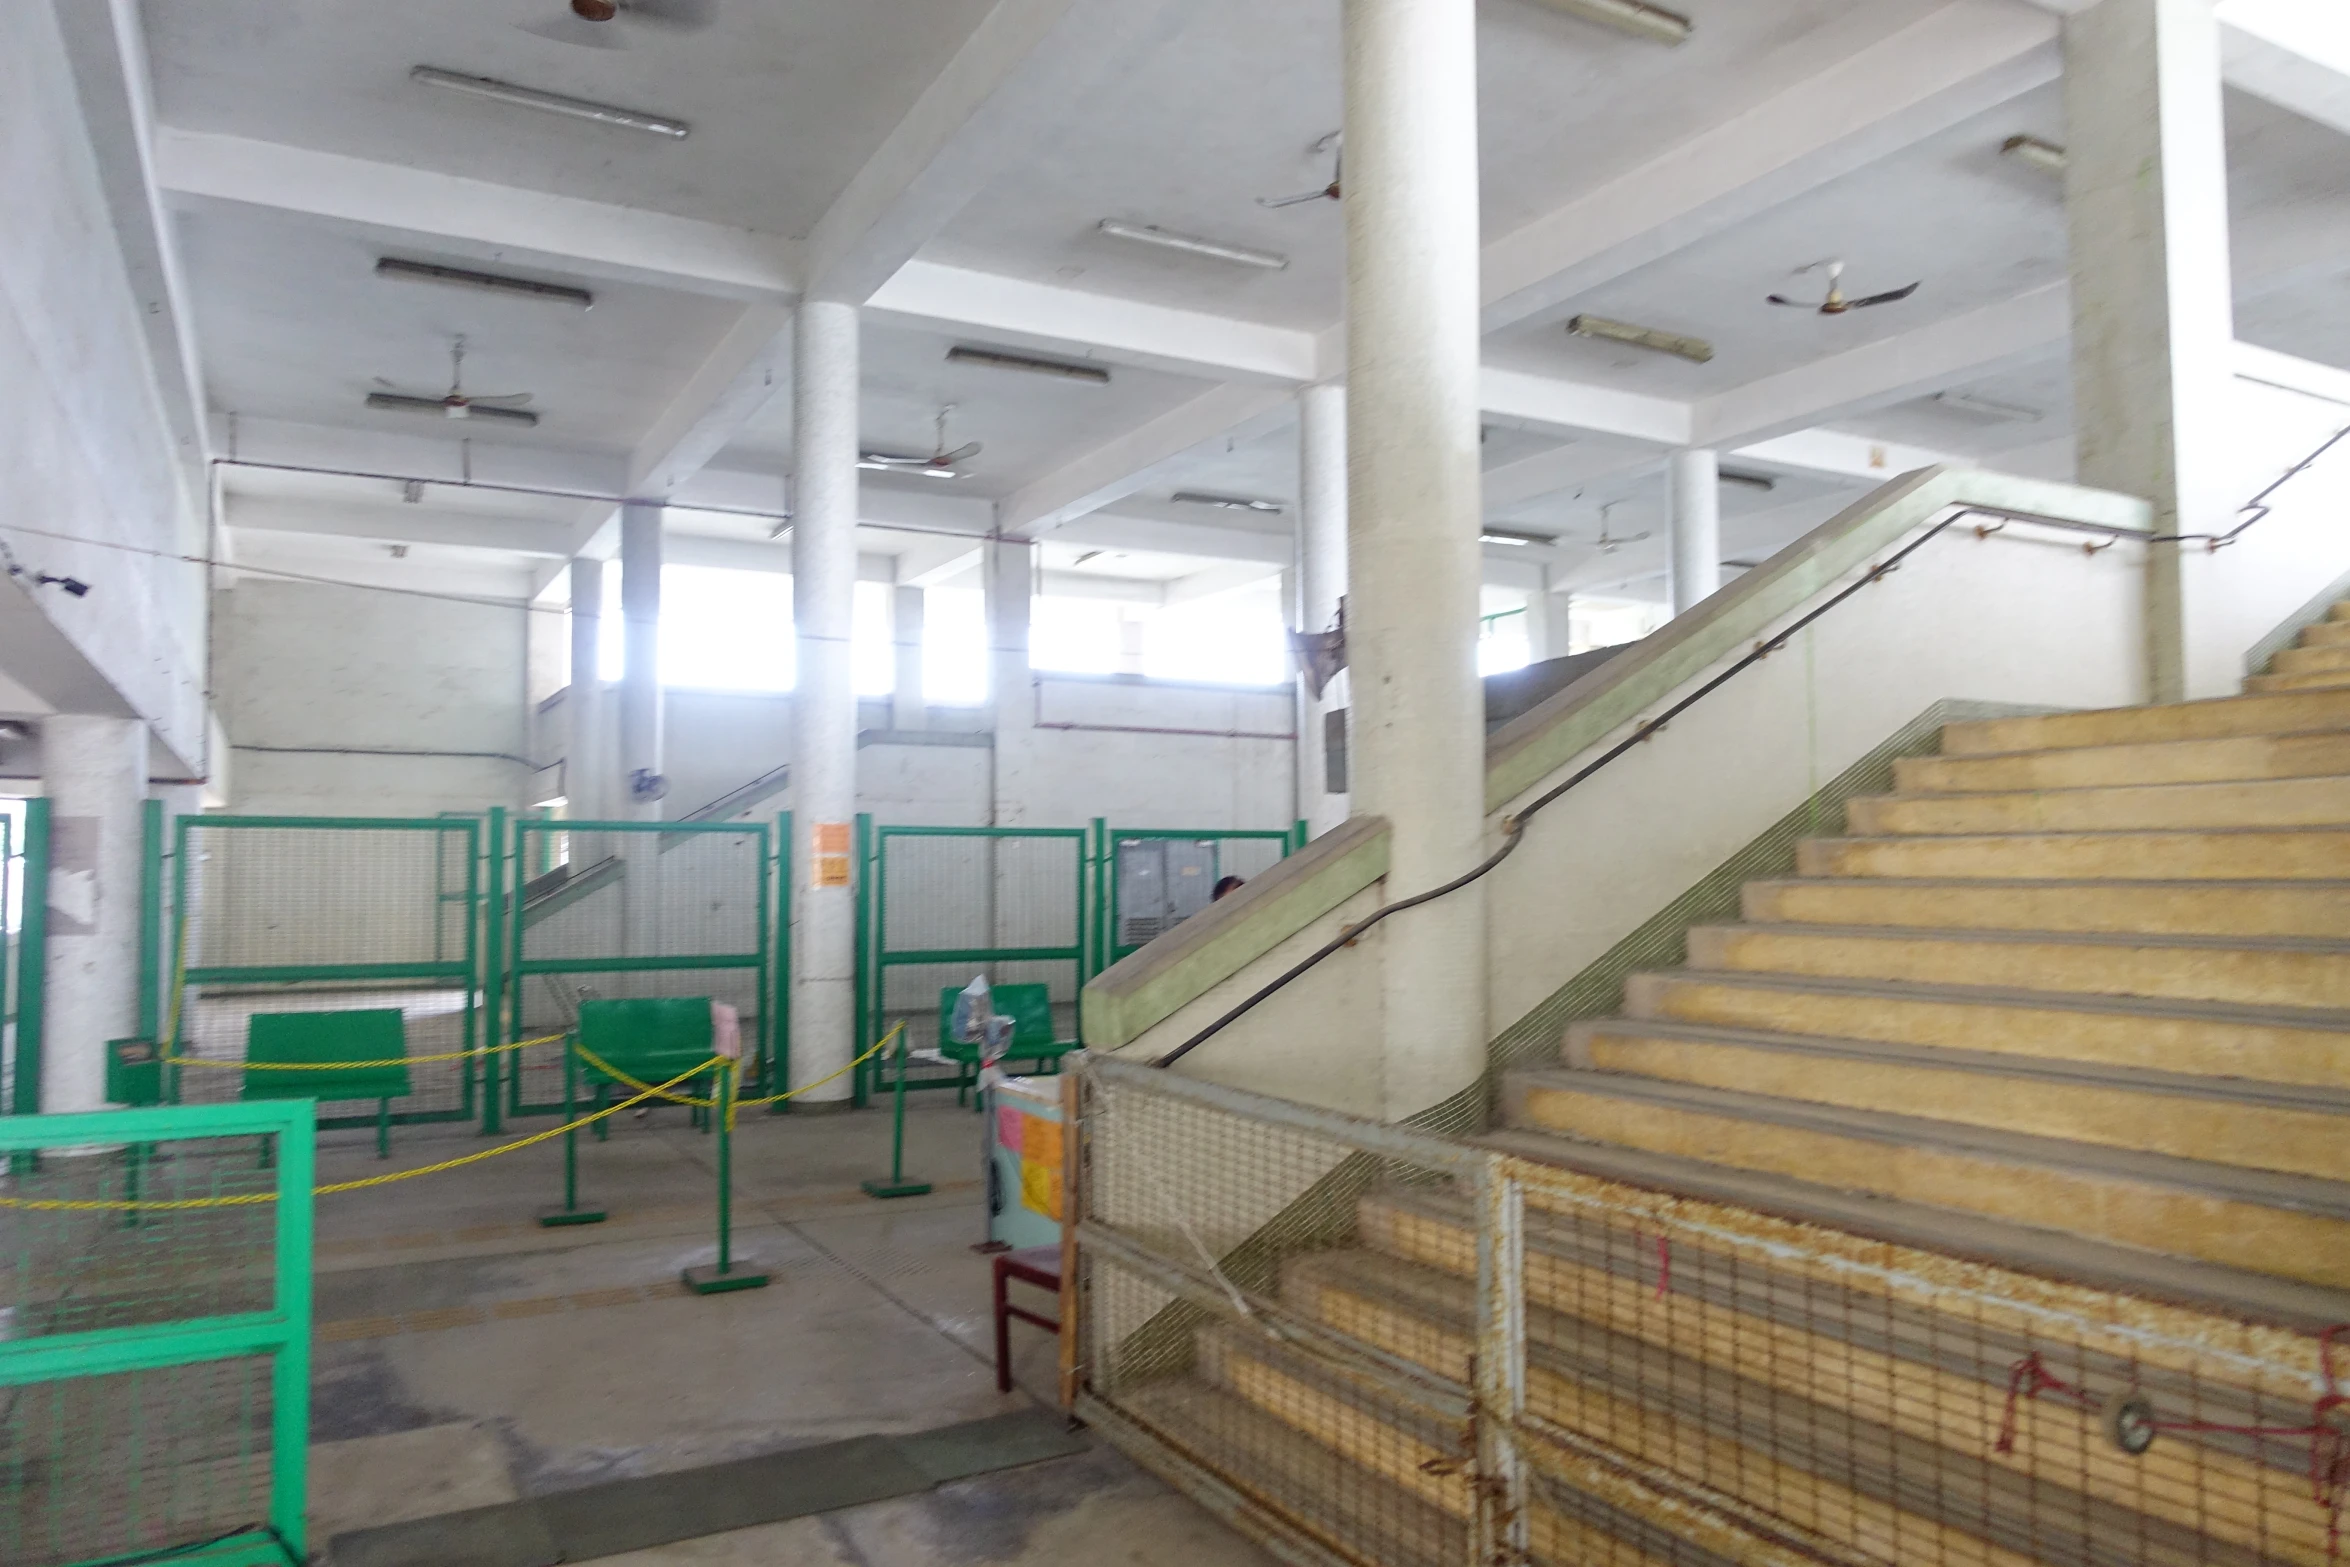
<point x="466" y="1356"/>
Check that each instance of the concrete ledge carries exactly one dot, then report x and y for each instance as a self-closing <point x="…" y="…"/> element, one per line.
<point x="1131" y="996"/>
<point x="1529" y="748"/>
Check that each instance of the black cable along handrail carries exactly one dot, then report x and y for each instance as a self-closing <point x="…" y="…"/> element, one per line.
<point x="1513" y="827"/>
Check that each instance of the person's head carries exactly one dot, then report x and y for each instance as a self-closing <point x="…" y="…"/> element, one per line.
<point x="1227" y="885"/>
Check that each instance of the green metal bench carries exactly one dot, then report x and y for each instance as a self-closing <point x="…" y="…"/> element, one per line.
<point x="649" y="1039"/>
<point x="1030" y="1007"/>
<point x="353" y="1055"/>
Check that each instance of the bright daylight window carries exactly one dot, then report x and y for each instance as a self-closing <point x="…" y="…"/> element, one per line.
<point x="728" y="630"/>
<point x="1234" y="638"/>
<point x="1074" y="636"/>
<point x="1504" y="640"/>
<point x="954" y="647"/>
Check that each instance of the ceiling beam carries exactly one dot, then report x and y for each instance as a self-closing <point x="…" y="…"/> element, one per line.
<point x="476" y="218"/>
<point x="1156" y="536"/>
<point x="1015" y="83"/>
<point x="1021" y="314"/>
<point x="1133" y="461"/>
<point x="396" y="524"/>
<point x="1548" y="403"/>
<point x="2294" y="54"/>
<point x="726" y="391"/>
<point x="1877" y="92"/>
<point x="1226" y="576"/>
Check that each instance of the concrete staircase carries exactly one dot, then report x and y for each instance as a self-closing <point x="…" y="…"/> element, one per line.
<point x="2074" y="1000"/>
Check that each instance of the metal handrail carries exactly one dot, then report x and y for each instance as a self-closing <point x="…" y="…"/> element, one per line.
<point x="2258" y="506"/>
<point x="1513" y="827"/>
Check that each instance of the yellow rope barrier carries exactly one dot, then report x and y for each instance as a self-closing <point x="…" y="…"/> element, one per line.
<point x="626" y="1081"/>
<point x="349" y="1066"/>
<point x="247" y="1199"/>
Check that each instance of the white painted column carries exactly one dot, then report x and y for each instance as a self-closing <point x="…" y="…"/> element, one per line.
<point x="584" y="750"/>
<point x="1008" y="581"/>
<point x="1693" y="503"/>
<point x="1321" y="583"/>
<point x="908" y="708"/>
<point x="2146" y="200"/>
<point x="1550" y="620"/>
<point x="640" y="685"/>
<point x="825" y="381"/>
<point x="94" y="771"/>
<point x="1417" y="739"/>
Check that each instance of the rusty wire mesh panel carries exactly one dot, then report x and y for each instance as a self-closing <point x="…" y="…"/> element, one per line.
<point x="1894" y="1406"/>
<point x="295" y="914"/>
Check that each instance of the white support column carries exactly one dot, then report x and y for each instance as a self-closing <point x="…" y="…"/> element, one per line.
<point x="1321" y="583"/>
<point x="584" y="748"/>
<point x="908" y="708"/>
<point x="1693" y="502"/>
<point x="95" y="774"/>
<point x="1417" y="741"/>
<point x="825" y="382"/>
<point x="640" y="685"/>
<point x="1008" y="578"/>
<point x="2146" y="200"/>
<point x="1549" y="623"/>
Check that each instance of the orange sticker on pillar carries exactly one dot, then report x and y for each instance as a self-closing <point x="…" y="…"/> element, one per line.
<point x="828" y="865"/>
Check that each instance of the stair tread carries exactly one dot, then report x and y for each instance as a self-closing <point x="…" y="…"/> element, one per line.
<point x="2321" y="732"/>
<point x="2316" y="1019"/>
<point x="2074" y="883"/>
<point x="2233" y="1183"/>
<point x="2044" y="1253"/>
<point x="2246" y="1092"/>
<point x="2158" y="786"/>
<point x="2068" y="938"/>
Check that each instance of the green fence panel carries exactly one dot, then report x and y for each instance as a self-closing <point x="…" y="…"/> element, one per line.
<point x="636" y="910"/>
<point x="32" y="964"/>
<point x="1155" y="878"/>
<point x="315" y="914"/>
<point x="155" y="1377"/>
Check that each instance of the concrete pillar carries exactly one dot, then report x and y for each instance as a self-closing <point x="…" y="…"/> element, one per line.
<point x="1693" y="504"/>
<point x="1548" y="621"/>
<point x="584" y="780"/>
<point x="2146" y="203"/>
<point x="1008" y="579"/>
<point x="824" y="703"/>
<point x="1413" y="501"/>
<point x="640" y="685"/>
<point x="95" y="773"/>
<point x="908" y="708"/>
<point x="1321" y="583"/>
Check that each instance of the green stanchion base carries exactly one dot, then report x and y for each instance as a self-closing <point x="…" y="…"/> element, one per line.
<point x="707" y="1280"/>
<point x="895" y="1188"/>
<point x="555" y="1218"/>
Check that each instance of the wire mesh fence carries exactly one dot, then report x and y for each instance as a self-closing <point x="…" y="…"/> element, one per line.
<point x="154" y="1364"/>
<point x="1270" y="1293"/>
<point x="320" y="914"/>
<point x="666" y="909"/>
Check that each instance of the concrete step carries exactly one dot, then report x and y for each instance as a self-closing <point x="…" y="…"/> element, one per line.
<point x="2265" y="802"/>
<point x="2276" y="971"/>
<point x="2326" y="633"/>
<point x="2340" y="611"/>
<point x="2198" y="908"/>
<point x="2218" y="854"/>
<point x="2310" y="680"/>
<point x="1277" y="1465"/>
<point x="2309" y="660"/>
<point x="1755" y="1335"/>
<point x="2286" y="1046"/>
<point x="2292" y="1226"/>
<point x="2207" y="720"/>
<point x="2298" y="1130"/>
<point x="2156" y="762"/>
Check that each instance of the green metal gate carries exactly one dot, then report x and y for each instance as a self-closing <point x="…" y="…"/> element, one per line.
<point x="639" y="909"/>
<point x="324" y="913"/>
<point x="155" y="1371"/>
<point x="1154" y="878"/>
<point x="938" y="905"/>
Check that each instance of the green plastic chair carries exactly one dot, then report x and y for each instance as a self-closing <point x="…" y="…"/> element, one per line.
<point x="1030" y="1007"/>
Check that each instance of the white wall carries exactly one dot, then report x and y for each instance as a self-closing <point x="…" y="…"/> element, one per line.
<point x="85" y="441"/>
<point x="311" y="668"/>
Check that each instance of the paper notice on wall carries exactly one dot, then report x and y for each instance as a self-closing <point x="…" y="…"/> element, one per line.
<point x="829" y="864"/>
<point x="1009" y="1126"/>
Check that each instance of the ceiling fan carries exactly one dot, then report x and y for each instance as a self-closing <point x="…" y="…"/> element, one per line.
<point x="1606" y="545"/>
<point x="455" y="403"/>
<point x="594" y="24"/>
<point x="1333" y="144"/>
<point x="1836" y="304"/>
<point x="940" y="464"/>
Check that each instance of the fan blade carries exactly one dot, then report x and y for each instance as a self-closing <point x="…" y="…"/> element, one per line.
<point x="1800" y="304"/>
<point x="503" y="400"/>
<point x="685" y="16"/>
<point x="960" y="454"/>
<point x="511" y="415"/>
<point x="1300" y="199"/>
<point x="892" y="460"/>
<point x="1885" y="298"/>
<point x="569" y="29"/>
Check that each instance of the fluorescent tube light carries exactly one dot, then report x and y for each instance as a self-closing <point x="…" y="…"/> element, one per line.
<point x="488" y="282"/>
<point x="1696" y="348"/>
<point x="998" y="359"/>
<point x="1752" y="481"/>
<point x="1989" y="407"/>
<point x="1225" y="502"/>
<point x="440" y="409"/>
<point x="2045" y="156"/>
<point x="551" y="102"/>
<point x="1168" y="239"/>
<point x="1636" y="17"/>
<point x="872" y="462"/>
<point x="1495" y="535"/>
